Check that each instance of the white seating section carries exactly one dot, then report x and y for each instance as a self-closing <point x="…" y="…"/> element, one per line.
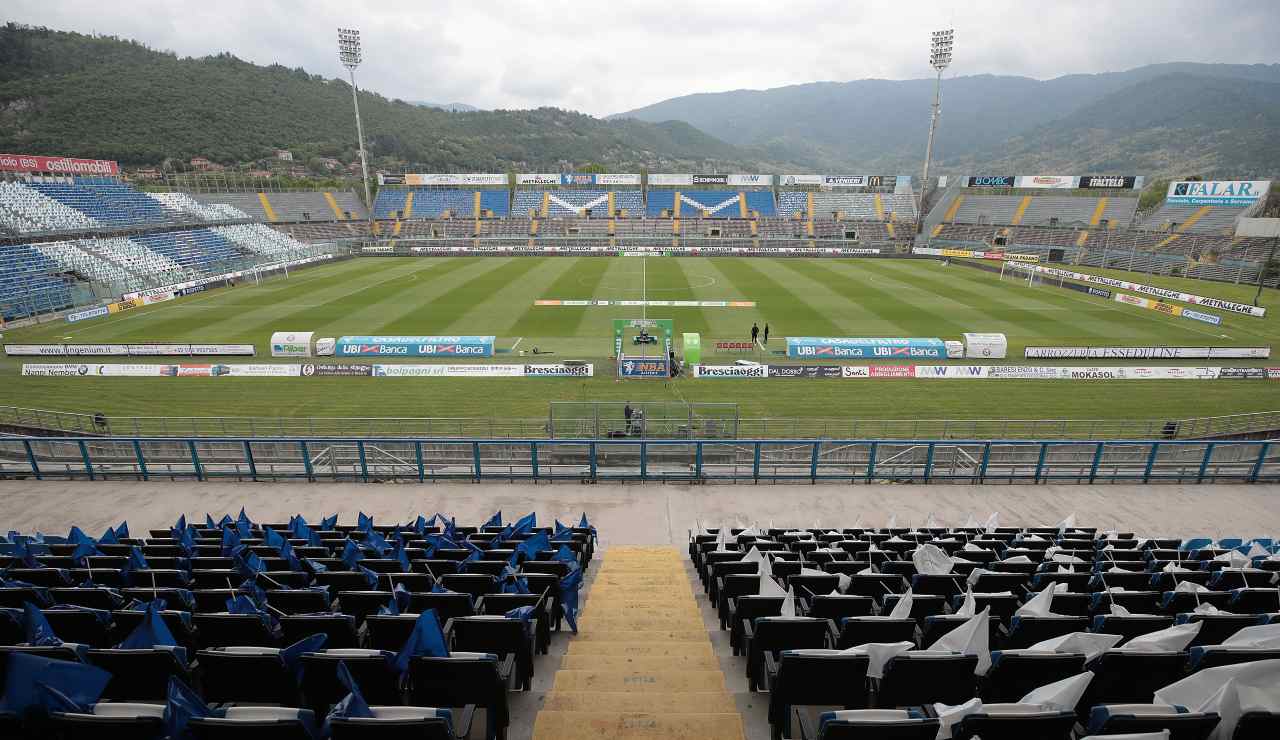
<point x="183" y="203"/>
<point x="261" y="239"/>
<point x="24" y="211"/>
<point x="88" y="264"/>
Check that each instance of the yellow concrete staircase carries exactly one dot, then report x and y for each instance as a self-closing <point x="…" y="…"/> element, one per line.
<point x="642" y="664"/>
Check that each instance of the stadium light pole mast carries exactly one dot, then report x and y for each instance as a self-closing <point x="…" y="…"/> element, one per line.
<point x="349" y="55"/>
<point x="939" y="59"/>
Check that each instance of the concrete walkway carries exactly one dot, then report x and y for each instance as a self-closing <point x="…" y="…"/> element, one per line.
<point x="653" y="514"/>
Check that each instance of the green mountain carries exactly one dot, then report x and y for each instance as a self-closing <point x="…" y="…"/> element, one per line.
<point x="101" y="97"/>
<point x="1177" y="118"/>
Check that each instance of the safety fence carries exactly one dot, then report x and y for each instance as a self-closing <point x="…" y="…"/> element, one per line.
<point x="579" y="420"/>
<point x="847" y="461"/>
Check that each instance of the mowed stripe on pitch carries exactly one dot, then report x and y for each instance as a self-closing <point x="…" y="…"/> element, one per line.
<point x="503" y="309"/>
<point x="219" y="315"/>
<point x="578" y="281"/>
<point x="456" y="303"/>
<point x="863" y="309"/>
<point x="787" y="308"/>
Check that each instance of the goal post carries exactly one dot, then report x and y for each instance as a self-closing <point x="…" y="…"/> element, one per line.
<point x="642" y="347"/>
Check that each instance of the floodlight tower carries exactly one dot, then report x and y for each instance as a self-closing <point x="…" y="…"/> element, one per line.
<point x="939" y="59"/>
<point x="349" y="55"/>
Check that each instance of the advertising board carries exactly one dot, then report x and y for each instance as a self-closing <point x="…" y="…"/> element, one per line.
<point x="291" y="343"/>
<point x="414" y="346"/>
<point x="1196" y="300"/>
<point x="642" y="367"/>
<point x="1110" y="182"/>
<point x="730" y="371"/>
<point x="331" y="370"/>
<point x="1147" y="353"/>
<point x="88" y="313"/>
<point x="456" y="179"/>
<point x="990" y="181"/>
<point x="1056" y="182"/>
<point x="804" y="371"/>
<point x="1216" y="192"/>
<point x="58" y="165"/>
<point x="787" y="181"/>
<point x="864" y="348"/>
<point x="125" y="350"/>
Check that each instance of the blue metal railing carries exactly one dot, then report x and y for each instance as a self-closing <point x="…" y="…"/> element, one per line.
<point x="768" y="460"/>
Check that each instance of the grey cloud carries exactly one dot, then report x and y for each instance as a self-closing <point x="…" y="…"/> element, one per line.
<point x="603" y="56"/>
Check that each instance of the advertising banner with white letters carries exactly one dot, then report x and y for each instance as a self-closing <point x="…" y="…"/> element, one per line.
<point x="1174" y="295"/>
<point x="496" y="178"/>
<point x="1056" y="182"/>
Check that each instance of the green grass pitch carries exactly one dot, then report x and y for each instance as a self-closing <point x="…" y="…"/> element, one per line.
<point x="487" y="295"/>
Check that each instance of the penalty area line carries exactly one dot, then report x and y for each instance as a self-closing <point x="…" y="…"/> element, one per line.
<point x="517" y="344"/>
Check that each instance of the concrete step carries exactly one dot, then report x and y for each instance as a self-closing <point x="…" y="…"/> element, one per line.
<point x="684" y="702"/>
<point x="585" y="633"/>
<point x="606" y="610"/>
<point x="639" y="663"/>
<point x="639" y="681"/>
<point x="584" y="725"/>
<point x="642" y="622"/>
<point x="641" y="649"/>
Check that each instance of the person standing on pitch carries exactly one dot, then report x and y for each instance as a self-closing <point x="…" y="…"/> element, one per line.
<point x="766" y="332"/>
<point x="755" y="332"/>
<point x="627" y="411"/>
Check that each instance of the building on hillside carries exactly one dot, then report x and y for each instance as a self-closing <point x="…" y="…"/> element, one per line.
<point x="284" y="155"/>
<point x="200" y="163"/>
<point x="329" y="163"/>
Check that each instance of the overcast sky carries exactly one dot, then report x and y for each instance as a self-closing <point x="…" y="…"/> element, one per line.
<point x="608" y="56"/>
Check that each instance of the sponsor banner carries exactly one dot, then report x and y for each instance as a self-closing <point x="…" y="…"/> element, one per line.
<point x="456" y="179"/>
<point x="845" y="181"/>
<point x="448" y="371"/>
<point x="264" y="370"/>
<point x="668" y="179"/>
<point x="962" y="372"/>
<point x="730" y="371"/>
<point x="1207" y="318"/>
<point x="618" y="179"/>
<point x="734" y="346"/>
<point x="385" y="179"/>
<point x="1217" y="192"/>
<point x="865" y="348"/>
<point x="990" y="181"/>
<point x="1110" y="182"/>
<point x="124" y="350"/>
<point x="975" y="254"/>
<point x="892" y="371"/>
<point x="378" y="250"/>
<point x="173" y="371"/>
<point x="641" y="367"/>
<point x="1173" y="295"/>
<point x="1243" y="373"/>
<point x="291" y="343"/>
<point x="1273" y="373"/>
<point x="855" y="371"/>
<point x="336" y="371"/>
<point x="787" y="181"/>
<point x="559" y="370"/>
<point x="58" y="165"/>
<point x="1056" y="182"/>
<point x="804" y="371"/>
<point x="88" y="313"/>
<point x="545" y="179"/>
<point x="424" y="346"/>
<point x="749" y="181"/>
<point x="191" y="290"/>
<point x="1148" y="353"/>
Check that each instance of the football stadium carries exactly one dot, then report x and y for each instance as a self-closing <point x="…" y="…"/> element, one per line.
<point x="563" y="447"/>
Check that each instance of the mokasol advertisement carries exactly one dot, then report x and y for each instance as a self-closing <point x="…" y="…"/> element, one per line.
<point x="866" y="348"/>
<point x="421" y="346"/>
